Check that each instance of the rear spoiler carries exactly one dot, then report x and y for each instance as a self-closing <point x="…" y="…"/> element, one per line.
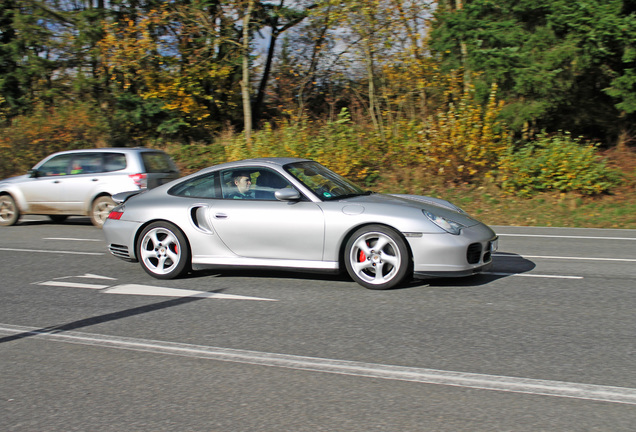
<point x="124" y="196"/>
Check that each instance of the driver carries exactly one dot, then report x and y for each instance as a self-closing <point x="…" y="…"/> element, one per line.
<point x="243" y="183"/>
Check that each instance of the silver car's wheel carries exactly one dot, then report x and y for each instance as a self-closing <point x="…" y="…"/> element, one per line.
<point x="377" y="257"/>
<point x="100" y="210"/>
<point x="163" y="251"/>
<point x="9" y="213"/>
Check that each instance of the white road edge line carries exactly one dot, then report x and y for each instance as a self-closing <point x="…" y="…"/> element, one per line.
<point x="568" y="237"/>
<point x="622" y="395"/>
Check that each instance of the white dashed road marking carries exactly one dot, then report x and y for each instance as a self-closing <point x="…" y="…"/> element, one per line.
<point x="136" y="289"/>
<point x="68" y="284"/>
<point x="533" y="275"/>
<point x="568" y="237"/>
<point x="147" y="290"/>
<point x="72" y="239"/>
<point x="51" y="251"/>
<point x="508" y="256"/>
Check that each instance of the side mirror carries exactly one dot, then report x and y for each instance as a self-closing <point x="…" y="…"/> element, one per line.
<point x="287" y="194"/>
<point x="33" y="173"/>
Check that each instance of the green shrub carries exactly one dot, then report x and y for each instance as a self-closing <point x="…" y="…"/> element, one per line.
<point x="465" y="142"/>
<point x="340" y="144"/>
<point x="556" y="163"/>
<point x="193" y="157"/>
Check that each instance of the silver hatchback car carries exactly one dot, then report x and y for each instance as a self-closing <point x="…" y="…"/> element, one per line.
<point x="81" y="183"/>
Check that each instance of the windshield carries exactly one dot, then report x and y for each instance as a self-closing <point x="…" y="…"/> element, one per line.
<point x="326" y="184"/>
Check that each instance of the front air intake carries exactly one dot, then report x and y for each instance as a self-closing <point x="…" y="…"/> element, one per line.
<point x="473" y="254"/>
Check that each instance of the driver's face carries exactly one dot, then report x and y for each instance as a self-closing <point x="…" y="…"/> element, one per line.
<point x="243" y="184"/>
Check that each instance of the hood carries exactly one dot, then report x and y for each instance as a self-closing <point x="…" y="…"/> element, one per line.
<point x="15" y="179"/>
<point x="436" y="206"/>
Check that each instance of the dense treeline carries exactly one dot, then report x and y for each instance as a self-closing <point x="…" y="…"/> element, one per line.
<point x="560" y="64"/>
<point x="187" y="69"/>
<point x="459" y="91"/>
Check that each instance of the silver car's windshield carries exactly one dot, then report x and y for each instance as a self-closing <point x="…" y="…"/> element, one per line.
<point x="326" y="184"/>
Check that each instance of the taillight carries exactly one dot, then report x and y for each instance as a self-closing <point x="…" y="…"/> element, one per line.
<point x="141" y="180"/>
<point x="115" y="215"/>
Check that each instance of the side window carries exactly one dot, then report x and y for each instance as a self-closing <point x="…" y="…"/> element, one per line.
<point x="58" y="165"/>
<point x="114" y="162"/>
<point x="252" y="184"/>
<point x="87" y="163"/>
<point x="205" y="186"/>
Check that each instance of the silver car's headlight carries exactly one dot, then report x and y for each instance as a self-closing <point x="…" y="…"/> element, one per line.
<point x="447" y="225"/>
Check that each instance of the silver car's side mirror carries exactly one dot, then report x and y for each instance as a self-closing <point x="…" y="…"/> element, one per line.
<point x="33" y="173"/>
<point x="287" y="194"/>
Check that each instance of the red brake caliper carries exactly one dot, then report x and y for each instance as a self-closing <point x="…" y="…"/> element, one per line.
<point x="361" y="257"/>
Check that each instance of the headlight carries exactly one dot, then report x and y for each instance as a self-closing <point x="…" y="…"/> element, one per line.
<point x="447" y="225"/>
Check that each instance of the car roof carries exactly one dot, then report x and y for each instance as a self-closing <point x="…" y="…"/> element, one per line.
<point x="266" y="161"/>
<point x="109" y="150"/>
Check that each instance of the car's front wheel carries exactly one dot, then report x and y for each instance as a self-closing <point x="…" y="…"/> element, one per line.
<point x="9" y="213"/>
<point x="163" y="251"/>
<point x="377" y="257"/>
<point x="100" y="210"/>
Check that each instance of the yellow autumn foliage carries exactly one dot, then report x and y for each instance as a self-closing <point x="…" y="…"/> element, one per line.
<point x="134" y="60"/>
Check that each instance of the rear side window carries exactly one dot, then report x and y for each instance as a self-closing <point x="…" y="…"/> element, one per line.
<point x="156" y="162"/>
<point x="205" y="186"/>
<point x="87" y="163"/>
<point x="114" y="162"/>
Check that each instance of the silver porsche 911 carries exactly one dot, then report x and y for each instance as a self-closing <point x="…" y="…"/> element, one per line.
<point x="290" y="213"/>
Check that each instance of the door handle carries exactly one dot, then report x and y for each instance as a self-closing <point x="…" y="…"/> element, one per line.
<point x="220" y="216"/>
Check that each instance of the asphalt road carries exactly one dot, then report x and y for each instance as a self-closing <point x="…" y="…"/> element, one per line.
<point x="545" y="342"/>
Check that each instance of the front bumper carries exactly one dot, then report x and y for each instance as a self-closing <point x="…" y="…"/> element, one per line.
<point x="440" y="255"/>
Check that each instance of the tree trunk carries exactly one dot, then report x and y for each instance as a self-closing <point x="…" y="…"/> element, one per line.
<point x="245" y="82"/>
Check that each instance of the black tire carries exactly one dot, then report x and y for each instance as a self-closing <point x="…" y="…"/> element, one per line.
<point x="100" y="210"/>
<point x="377" y="257"/>
<point x="163" y="251"/>
<point x="58" y="218"/>
<point x="9" y="212"/>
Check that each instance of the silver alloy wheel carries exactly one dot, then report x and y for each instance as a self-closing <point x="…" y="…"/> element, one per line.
<point x="377" y="257"/>
<point x="9" y="213"/>
<point x="160" y="251"/>
<point x="100" y="210"/>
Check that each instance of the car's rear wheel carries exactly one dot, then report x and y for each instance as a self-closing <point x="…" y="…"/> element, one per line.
<point x="377" y="257"/>
<point x="9" y="213"/>
<point x="100" y="210"/>
<point x="163" y="251"/>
